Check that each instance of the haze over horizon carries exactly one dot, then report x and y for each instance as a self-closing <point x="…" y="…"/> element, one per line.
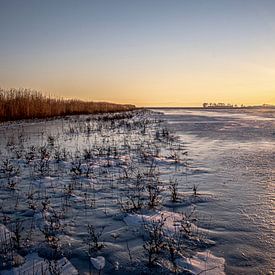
<point x="147" y="53"/>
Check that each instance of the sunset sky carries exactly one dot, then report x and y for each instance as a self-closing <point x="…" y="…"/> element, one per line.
<point x="145" y="52"/>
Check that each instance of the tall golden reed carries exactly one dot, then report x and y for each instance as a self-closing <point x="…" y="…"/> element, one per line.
<point x="18" y="104"/>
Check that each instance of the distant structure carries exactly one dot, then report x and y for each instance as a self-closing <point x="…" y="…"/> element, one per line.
<point x="220" y="105"/>
<point x="268" y="106"/>
<point x="232" y="106"/>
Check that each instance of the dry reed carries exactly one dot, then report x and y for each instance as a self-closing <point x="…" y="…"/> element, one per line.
<point x="18" y="104"/>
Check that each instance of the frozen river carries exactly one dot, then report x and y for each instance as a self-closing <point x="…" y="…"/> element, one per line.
<point x="234" y="154"/>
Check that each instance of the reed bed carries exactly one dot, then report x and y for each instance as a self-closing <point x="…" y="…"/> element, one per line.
<point x="16" y="104"/>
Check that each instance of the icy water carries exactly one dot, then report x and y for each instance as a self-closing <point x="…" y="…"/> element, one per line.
<point x="234" y="154"/>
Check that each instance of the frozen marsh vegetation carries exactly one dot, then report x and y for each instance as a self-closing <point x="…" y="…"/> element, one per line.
<point x="100" y="194"/>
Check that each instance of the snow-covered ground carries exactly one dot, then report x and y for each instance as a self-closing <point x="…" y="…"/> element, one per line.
<point x="100" y="193"/>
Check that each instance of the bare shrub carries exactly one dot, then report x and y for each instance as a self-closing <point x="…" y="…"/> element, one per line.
<point x="94" y="239"/>
<point x="173" y="187"/>
<point x="154" y="242"/>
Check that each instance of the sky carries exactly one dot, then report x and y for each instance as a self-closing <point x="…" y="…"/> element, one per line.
<point x="144" y="52"/>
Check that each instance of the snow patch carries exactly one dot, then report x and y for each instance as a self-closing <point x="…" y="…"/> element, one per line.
<point x="98" y="262"/>
<point x="36" y="265"/>
<point x="5" y="235"/>
<point x="203" y="263"/>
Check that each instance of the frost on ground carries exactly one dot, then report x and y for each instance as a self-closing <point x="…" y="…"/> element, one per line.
<point x="87" y="194"/>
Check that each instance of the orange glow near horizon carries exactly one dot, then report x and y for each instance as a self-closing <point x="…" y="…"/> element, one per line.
<point x="168" y="85"/>
<point x="176" y="85"/>
<point x="130" y="52"/>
